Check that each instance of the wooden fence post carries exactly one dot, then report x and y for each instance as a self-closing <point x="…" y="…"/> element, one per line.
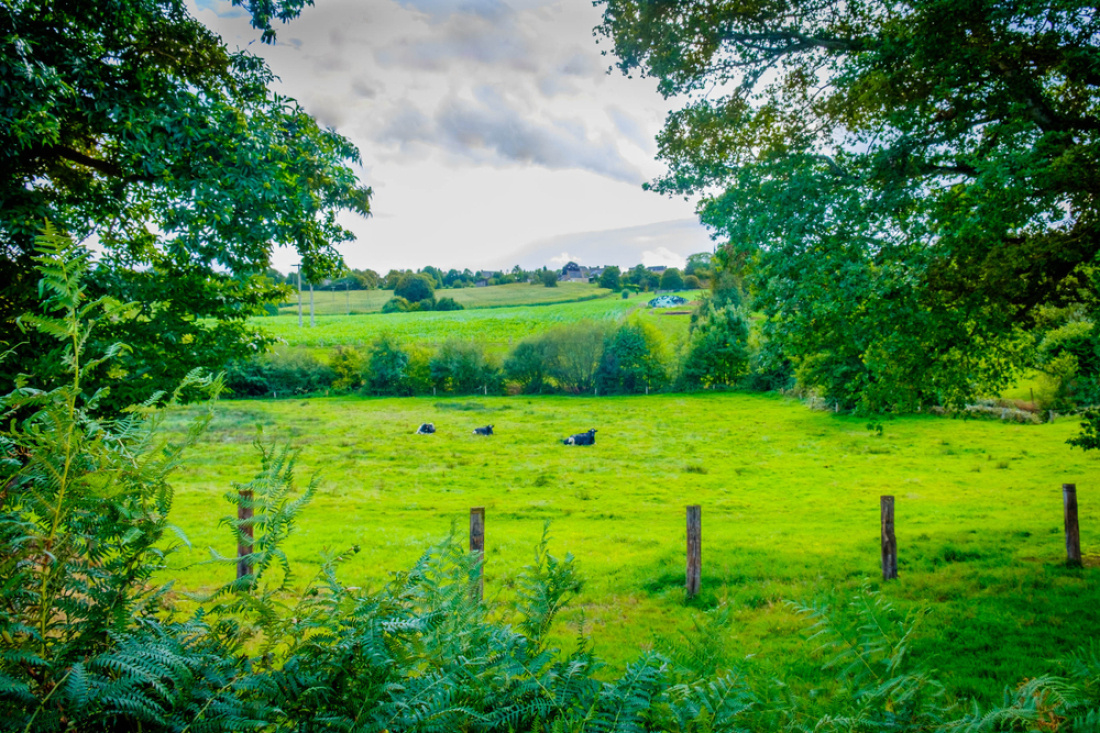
<point x="477" y="545"/>
<point x="1073" y="531"/>
<point x="244" y="514"/>
<point x="889" y="541"/>
<point x="694" y="549"/>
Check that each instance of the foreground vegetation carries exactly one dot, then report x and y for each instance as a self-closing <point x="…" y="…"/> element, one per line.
<point x="88" y="641"/>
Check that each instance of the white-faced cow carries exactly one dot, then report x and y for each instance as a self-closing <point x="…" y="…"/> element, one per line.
<point x="487" y="430"/>
<point x="426" y="429"/>
<point x="588" y="438"/>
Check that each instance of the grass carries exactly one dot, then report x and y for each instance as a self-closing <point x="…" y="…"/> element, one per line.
<point x="496" y="328"/>
<point x="790" y="503"/>
<point x="358" y="302"/>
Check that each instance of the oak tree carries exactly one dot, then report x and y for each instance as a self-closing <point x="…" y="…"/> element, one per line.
<point x="907" y="185"/>
<point x="132" y="127"/>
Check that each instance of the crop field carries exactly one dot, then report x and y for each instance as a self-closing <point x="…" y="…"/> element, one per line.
<point x="790" y="508"/>
<point x="498" y="327"/>
<point x="356" y="302"/>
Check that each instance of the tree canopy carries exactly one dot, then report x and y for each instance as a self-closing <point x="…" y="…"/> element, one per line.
<point x="908" y="186"/>
<point x="130" y="125"/>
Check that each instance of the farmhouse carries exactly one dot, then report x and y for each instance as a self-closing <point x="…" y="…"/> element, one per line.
<point x="573" y="273"/>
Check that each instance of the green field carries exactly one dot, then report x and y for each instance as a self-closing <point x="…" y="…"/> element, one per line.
<point x="790" y="502"/>
<point x="355" y="302"/>
<point x="494" y="328"/>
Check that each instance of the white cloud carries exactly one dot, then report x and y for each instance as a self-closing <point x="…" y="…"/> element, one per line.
<point x="662" y="256"/>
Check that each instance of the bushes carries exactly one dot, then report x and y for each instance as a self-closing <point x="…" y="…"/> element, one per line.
<point x="462" y="368"/>
<point x="284" y="371"/>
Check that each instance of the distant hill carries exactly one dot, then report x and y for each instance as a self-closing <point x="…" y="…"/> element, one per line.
<point x="665" y="243"/>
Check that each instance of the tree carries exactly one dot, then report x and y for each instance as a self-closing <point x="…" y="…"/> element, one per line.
<point x="414" y="287"/>
<point x="718" y="351"/>
<point x="631" y="360"/>
<point x="671" y="279"/>
<point x="549" y="278"/>
<point x="610" y="278"/>
<point x="130" y="121"/>
<point x="908" y="192"/>
<point x="387" y="370"/>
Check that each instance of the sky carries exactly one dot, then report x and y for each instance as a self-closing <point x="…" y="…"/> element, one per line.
<point x="490" y="131"/>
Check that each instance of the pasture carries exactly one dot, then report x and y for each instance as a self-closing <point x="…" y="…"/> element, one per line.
<point x="495" y="328"/>
<point x="790" y="511"/>
<point x="358" y="302"/>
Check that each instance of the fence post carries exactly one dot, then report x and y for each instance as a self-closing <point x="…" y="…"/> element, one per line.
<point x="244" y="514"/>
<point x="694" y="550"/>
<point x="1073" y="531"/>
<point x="477" y="546"/>
<point x="889" y="541"/>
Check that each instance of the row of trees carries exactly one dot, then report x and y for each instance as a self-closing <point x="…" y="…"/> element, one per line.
<point x="696" y="274"/>
<point x="580" y="358"/>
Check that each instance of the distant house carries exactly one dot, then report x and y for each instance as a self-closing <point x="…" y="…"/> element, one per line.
<point x="573" y="273"/>
<point x="657" y="269"/>
<point x="482" y="283"/>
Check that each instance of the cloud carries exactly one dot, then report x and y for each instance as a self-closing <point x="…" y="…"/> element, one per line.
<point x="662" y="256"/>
<point x="664" y="243"/>
<point x="490" y="130"/>
<point x="630" y="128"/>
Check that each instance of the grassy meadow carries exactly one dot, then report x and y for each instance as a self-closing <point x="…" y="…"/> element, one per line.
<point x="495" y="328"/>
<point x="358" y="302"/>
<point x="790" y="506"/>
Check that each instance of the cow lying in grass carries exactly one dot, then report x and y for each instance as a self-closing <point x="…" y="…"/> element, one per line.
<point x="487" y="430"/>
<point x="588" y="438"/>
<point x="426" y="429"/>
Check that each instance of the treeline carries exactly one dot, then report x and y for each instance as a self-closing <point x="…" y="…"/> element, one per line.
<point x="580" y="358"/>
<point x="697" y="273"/>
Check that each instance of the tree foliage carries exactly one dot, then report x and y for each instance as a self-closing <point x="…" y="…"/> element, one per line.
<point x="130" y="121"/>
<point x="907" y="191"/>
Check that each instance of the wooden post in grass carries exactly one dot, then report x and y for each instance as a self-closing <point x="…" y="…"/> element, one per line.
<point x="477" y="545"/>
<point x="244" y="549"/>
<point x="889" y="541"/>
<point x="1073" y="532"/>
<point x="694" y="550"/>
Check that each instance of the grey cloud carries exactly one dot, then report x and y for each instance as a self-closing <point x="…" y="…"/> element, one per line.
<point x="441" y="9"/>
<point x="497" y="134"/>
<point x="630" y="128"/>
<point x="464" y="38"/>
<point x="365" y="89"/>
<point x="624" y="247"/>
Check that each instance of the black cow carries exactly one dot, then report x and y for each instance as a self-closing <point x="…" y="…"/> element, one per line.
<point x="487" y="430"/>
<point x="588" y="438"/>
<point x="426" y="429"/>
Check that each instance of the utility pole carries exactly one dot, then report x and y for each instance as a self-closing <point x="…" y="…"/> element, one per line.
<point x="312" y="323"/>
<point x="299" y="295"/>
<point x="347" y="296"/>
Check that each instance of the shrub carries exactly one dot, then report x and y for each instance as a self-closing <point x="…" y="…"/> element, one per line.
<point x="448" y="304"/>
<point x="387" y="368"/>
<point x="573" y="355"/>
<point x="396" y="304"/>
<point x="527" y="366"/>
<point x="347" y="364"/>
<point x="691" y="282"/>
<point x="462" y="368"/>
